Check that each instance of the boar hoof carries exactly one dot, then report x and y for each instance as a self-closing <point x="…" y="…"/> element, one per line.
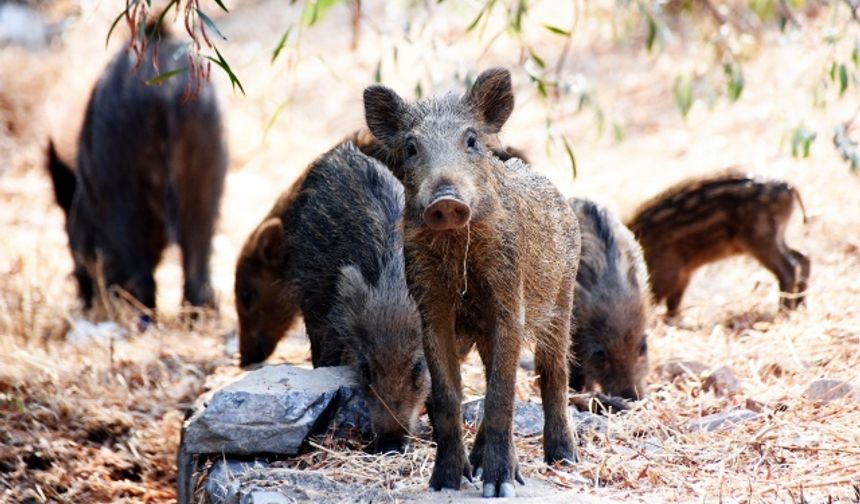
<point x="560" y="452"/>
<point x="445" y="475"/>
<point x="504" y="490"/>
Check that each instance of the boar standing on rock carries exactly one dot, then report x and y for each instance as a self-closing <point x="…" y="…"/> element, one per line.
<point x="700" y="221"/>
<point x="150" y="169"/>
<point x="491" y="257"/>
<point x="613" y="306"/>
<point x="332" y="248"/>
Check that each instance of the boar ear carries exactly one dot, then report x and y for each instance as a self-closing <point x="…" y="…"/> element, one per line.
<point x="62" y="177"/>
<point x="269" y="238"/>
<point x="352" y="286"/>
<point x="385" y="113"/>
<point x="492" y="98"/>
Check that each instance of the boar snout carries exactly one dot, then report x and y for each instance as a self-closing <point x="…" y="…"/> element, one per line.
<point x="446" y="212"/>
<point x="390" y="442"/>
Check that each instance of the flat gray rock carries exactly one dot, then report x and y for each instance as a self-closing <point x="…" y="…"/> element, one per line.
<point x="722" y="420"/>
<point x="825" y="391"/>
<point x="722" y="381"/>
<point x="271" y="410"/>
<point x="235" y="482"/>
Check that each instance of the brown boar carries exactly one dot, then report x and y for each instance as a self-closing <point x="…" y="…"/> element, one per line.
<point x="150" y="170"/>
<point x="613" y="306"/>
<point x="699" y="221"/>
<point x="491" y="256"/>
<point x="332" y="249"/>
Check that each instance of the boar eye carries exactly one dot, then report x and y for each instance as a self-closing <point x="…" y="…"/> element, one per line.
<point x="364" y="370"/>
<point x="411" y="148"/>
<point x="417" y="370"/>
<point x="643" y="347"/>
<point x="599" y="355"/>
<point x="247" y="297"/>
<point x="471" y="140"/>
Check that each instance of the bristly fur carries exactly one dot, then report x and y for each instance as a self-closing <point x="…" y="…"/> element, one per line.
<point x="613" y="306"/>
<point x="504" y="275"/>
<point x="332" y="249"/>
<point x="698" y="221"/>
<point x="150" y="170"/>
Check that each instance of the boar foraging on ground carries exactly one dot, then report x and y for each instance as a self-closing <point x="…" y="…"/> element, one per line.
<point x="613" y="306"/>
<point x="491" y="256"/>
<point x="150" y="170"/>
<point x="704" y="220"/>
<point x="332" y="249"/>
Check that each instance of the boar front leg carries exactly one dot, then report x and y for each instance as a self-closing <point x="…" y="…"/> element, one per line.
<point x="499" y="458"/>
<point x="441" y="353"/>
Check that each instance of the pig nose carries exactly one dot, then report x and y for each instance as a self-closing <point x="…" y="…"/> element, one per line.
<point x="390" y="443"/>
<point x="447" y="213"/>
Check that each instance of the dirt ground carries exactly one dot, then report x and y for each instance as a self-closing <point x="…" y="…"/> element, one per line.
<point x="98" y="421"/>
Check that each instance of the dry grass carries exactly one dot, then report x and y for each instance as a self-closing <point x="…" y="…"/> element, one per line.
<point x="100" y="422"/>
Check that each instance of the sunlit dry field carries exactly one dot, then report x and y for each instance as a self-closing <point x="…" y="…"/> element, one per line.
<point x="99" y="421"/>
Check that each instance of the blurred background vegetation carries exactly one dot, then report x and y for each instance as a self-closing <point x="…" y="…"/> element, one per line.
<point x="725" y="35"/>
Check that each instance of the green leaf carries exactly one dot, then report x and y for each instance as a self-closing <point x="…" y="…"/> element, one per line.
<point x="477" y="20"/>
<point x="210" y="24"/>
<point x="419" y="91"/>
<point x="377" y="74"/>
<point x="281" y="43"/>
<point x="682" y="91"/>
<point x="570" y="155"/>
<point x="117" y="20"/>
<point x="833" y="72"/>
<point x="221" y="4"/>
<point x="652" y="33"/>
<point x="557" y="30"/>
<point x="855" y="53"/>
<point x="618" y="132"/>
<point x="537" y="59"/>
<point x="735" y="84"/>
<point x="801" y="141"/>
<point x="164" y="12"/>
<point x="281" y="107"/>
<point x="164" y="76"/>
<point x="517" y="18"/>
<point x="843" y="79"/>
<point x="221" y="62"/>
<point x="315" y="10"/>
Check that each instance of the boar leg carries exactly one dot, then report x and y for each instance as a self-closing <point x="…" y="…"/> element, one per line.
<point x="441" y="352"/>
<point x="200" y="181"/>
<point x="499" y="459"/>
<point x="802" y="263"/>
<point x="779" y="261"/>
<point x="673" y="300"/>
<point x="551" y="364"/>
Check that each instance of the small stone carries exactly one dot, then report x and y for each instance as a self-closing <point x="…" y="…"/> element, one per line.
<point x="753" y="405"/>
<point x="824" y="391"/>
<point x="528" y="416"/>
<point x="672" y="370"/>
<point x="527" y="361"/>
<point x="769" y="371"/>
<point x="722" y="381"/>
<point x="722" y="420"/>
